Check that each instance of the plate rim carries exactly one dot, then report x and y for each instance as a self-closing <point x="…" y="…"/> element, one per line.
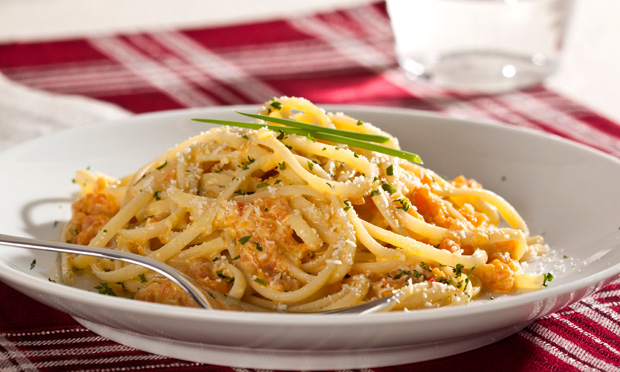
<point x="475" y="308"/>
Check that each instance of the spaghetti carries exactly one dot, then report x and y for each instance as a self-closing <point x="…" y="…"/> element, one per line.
<point x="297" y="223"/>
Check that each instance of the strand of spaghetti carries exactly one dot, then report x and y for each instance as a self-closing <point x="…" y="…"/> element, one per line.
<point x="349" y="295"/>
<point x="427" y="294"/>
<point x="111" y="228"/>
<point x="154" y="208"/>
<point x="506" y="210"/>
<point x="355" y="296"/>
<point x="454" y="213"/>
<point x="318" y="262"/>
<point x="434" y="233"/>
<point x="383" y="202"/>
<point x="296" y="295"/>
<point x="517" y="236"/>
<point x="155" y="229"/>
<point x="308" y="234"/>
<point x="342" y="121"/>
<point x="296" y="271"/>
<point x="350" y="158"/>
<point x="367" y="241"/>
<point x="207" y="249"/>
<point x="528" y="281"/>
<point x="302" y="104"/>
<point x="286" y="191"/>
<point x="203" y="225"/>
<point x="489" y="210"/>
<point x="215" y="135"/>
<point x="241" y="177"/>
<point x="415" y="248"/>
<point x="315" y="217"/>
<point x="239" y="283"/>
<point x="313" y="127"/>
<point x="342" y="189"/>
<point x="382" y="267"/>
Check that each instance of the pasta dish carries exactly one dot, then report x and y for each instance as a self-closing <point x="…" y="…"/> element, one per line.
<point x="300" y="211"/>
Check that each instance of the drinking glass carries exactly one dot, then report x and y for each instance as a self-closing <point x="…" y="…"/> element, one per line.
<point x="479" y="46"/>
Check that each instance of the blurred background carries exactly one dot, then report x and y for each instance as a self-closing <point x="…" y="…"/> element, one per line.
<point x="588" y="71"/>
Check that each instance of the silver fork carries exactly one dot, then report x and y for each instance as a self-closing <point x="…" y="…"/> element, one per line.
<point x="205" y="297"/>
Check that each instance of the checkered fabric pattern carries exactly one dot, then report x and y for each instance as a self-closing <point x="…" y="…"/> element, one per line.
<point x="337" y="57"/>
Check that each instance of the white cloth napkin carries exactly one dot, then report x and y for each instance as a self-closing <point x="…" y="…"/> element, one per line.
<point x="26" y="113"/>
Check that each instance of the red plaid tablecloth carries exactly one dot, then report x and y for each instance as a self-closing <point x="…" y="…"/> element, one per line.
<point x="338" y="57"/>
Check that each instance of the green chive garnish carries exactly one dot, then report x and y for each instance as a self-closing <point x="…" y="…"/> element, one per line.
<point x="313" y="127"/>
<point x="344" y="136"/>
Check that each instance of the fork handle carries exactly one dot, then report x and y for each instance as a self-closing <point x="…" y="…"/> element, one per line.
<point x="169" y="272"/>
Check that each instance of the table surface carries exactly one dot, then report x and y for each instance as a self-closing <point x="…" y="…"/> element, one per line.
<point x="580" y="337"/>
<point x="588" y="73"/>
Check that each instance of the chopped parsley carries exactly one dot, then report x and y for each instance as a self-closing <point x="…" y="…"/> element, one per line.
<point x="389" y="188"/>
<point x="240" y="192"/>
<point x="356" y="155"/>
<point x="467" y="279"/>
<point x="404" y="205"/>
<point x="261" y="185"/>
<point x="156" y="195"/>
<point x="310" y="165"/>
<point x="280" y="136"/>
<point x="33" y="264"/>
<point x="389" y="170"/>
<point x="104" y="289"/>
<point x="276" y="105"/>
<point x="374" y="192"/>
<point x="347" y="204"/>
<point x="445" y="280"/>
<point x="259" y="247"/>
<point x="416" y="273"/>
<point x="245" y="239"/>
<point x="310" y="137"/>
<point x="236" y="257"/>
<point x="245" y="136"/>
<point x="142" y="278"/>
<point x="547" y="277"/>
<point x="163" y="165"/>
<point x="227" y="278"/>
<point x="458" y="270"/>
<point x="260" y="281"/>
<point x="245" y="166"/>
<point x="425" y="266"/>
<point x="282" y="165"/>
<point x="359" y="122"/>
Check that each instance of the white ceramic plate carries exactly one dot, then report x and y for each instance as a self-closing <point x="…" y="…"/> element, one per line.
<point x="565" y="191"/>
